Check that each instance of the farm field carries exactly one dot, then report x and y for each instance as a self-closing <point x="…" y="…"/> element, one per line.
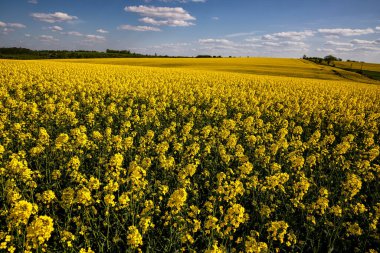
<point x="259" y="66"/>
<point x="187" y="155"/>
<point x="370" y="70"/>
<point x="358" y="65"/>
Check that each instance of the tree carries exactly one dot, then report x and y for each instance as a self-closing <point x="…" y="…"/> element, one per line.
<point x="330" y="58"/>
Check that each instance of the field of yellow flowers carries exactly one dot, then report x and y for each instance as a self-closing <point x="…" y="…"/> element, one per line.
<point x="103" y="158"/>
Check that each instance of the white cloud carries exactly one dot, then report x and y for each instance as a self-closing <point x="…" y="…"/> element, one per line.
<point x="33" y="1"/>
<point x="16" y="25"/>
<point x="344" y="49"/>
<point x="359" y="49"/>
<point x="53" y="17"/>
<point x="346" y="31"/>
<point x="7" y="30"/>
<point x="252" y="40"/>
<point x="364" y="42"/>
<point x="152" y="21"/>
<point x="293" y="43"/>
<point x="215" y="18"/>
<point x="294" y="35"/>
<point x="377" y="28"/>
<point x="74" y="33"/>
<point x="101" y="31"/>
<point x="331" y="37"/>
<point x="367" y="49"/>
<point x="326" y="50"/>
<point x="215" y="41"/>
<point x="288" y="35"/>
<point x="336" y="43"/>
<point x="272" y="44"/>
<point x="288" y="44"/>
<point x="232" y="35"/>
<point x="56" y="28"/>
<point x="47" y="38"/>
<point x="95" y="38"/>
<point x="27" y="35"/>
<point x="139" y="28"/>
<point x="12" y="25"/>
<point x="168" y="16"/>
<point x="268" y="37"/>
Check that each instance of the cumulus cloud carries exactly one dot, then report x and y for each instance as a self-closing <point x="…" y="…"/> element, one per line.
<point x="377" y="28"/>
<point x="272" y="44"/>
<point x="252" y="40"/>
<point x="101" y="31"/>
<point x="336" y="43"/>
<point x="288" y="44"/>
<point x="95" y="38"/>
<point x="33" y="1"/>
<point x="74" y="33"/>
<point x="152" y="21"/>
<point x="47" y="38"/>
<point x="345" y="31"/>
<point x="12" y="25"/>
<point x="139" y="28"/>
<point x="16" y="25"/>
<point x="269" y="37"/>
<point x="294" y="35"/>
<point x="242" y="34"/>
<point x="364" y="42"/>
<point x="7" y="30"/>
<point x="56" y="28"/>
<point x="326" y="50"/>
<point x="294" y="43"/>
<point x="167" y="16"/>
<point x="53" y="17"/>
<point x="288" y="35"/>
<point x="215" y="41"/>
<point x="367" y="49"/>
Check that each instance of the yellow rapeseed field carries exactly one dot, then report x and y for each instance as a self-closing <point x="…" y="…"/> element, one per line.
<point x="259" y="66"/>
<point x="117" y="158"/>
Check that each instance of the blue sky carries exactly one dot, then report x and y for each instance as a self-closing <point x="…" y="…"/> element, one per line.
<point x="349" y="29"/>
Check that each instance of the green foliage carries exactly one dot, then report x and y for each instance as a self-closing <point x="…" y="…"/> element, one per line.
<point x="28" y="54"/>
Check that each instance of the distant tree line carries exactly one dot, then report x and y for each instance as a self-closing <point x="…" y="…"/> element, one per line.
<point x="208" y="56"/>
<point x="325" y="60"/>
<point x="25" y="53"/>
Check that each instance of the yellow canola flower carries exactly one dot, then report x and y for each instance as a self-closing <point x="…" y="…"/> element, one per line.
<point x="234" y="217"/>
<point x="21" y="213"/>
<point x="215" y="248"/>
<point x="67" y="238"/>
<point x="352" y="185"/>
<point x="277" y="230"/>
<point x="46" y="197"/>
<point x="253" y="246"/>
<point x="83" y="196"/>
<point x="39" y="231"/>
<point x="89" y="250"/>
<point x="177" y="199"/>
<point x="134" y="238"/>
